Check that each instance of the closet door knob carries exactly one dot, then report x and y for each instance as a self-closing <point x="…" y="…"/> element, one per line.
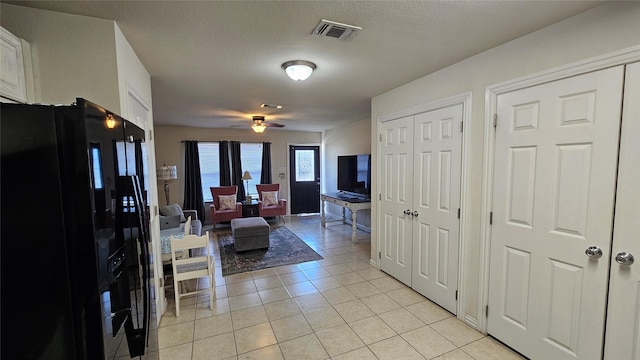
<point x="415" y="214"/>
<point x="624" y="258"/>
<point x="593" y="252"/>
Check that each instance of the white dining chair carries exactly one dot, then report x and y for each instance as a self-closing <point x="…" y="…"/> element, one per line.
<point x="199" y="265"/>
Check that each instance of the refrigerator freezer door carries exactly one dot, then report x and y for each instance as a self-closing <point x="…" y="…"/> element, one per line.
<point x="37" y="305"/>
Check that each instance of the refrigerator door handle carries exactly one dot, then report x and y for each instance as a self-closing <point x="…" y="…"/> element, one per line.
<point x="137" y="339"/>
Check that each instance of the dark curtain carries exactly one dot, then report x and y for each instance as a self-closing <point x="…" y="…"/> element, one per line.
<point x="116" y="155"/>
<point x="193" y="199"/>
<point x="236" y="169"/>
<point x="265" y="176"/>
<point x="140" y="167"/>
<point x="225" y="167"/>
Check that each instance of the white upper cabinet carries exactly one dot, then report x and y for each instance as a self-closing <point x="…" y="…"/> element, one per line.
<point x="12" y="75"/>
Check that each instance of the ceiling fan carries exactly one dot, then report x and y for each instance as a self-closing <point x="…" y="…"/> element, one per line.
<point x="259" y="124"/>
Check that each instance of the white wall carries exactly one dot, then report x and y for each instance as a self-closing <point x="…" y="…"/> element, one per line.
<point x="607" y="28"/>
<point x="73" y="56"/>
<point x="350" y="139"/>
<point x="132" y="77"/>
<point x="171" y="150"/>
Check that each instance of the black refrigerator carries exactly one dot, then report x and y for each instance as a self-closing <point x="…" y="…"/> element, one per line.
<point x="74" y="245"/>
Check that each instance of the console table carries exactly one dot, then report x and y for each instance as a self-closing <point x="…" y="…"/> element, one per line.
<point x="347" y="201"/>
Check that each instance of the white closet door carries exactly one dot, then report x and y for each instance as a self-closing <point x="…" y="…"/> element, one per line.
<point x="623" y="316"/>
<point x="553" y="196"/>
<point x="396" y="167"/>
<point x="436" y="193"/>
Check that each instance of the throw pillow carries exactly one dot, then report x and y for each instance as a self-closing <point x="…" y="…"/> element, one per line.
<point x="227" y="202"/>
<point x="171" y="210"/>
<point x="269" y="198"/>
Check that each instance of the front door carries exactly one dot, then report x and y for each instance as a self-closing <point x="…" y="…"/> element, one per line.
<point x="304" y="183"/>
<point x="553" y="198"/>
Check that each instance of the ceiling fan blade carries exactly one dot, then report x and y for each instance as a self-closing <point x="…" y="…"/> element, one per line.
<point x="273" y="125"/>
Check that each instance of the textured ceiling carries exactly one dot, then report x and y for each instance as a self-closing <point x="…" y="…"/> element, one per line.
<point x="212" y="63"/>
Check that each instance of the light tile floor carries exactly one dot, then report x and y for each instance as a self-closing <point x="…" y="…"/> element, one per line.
<point x="340" y="307"/>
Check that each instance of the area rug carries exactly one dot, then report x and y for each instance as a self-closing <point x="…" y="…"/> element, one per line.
<point x="285" y="248"/>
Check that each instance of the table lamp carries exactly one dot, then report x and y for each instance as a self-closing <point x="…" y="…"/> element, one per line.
<point x="246" y="177"/>
<point x="167" y="173"/>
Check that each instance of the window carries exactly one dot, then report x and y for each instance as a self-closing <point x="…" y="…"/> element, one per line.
<point x="250" y="156"/>
<point x="125" y="152"/>
<point x="96" y="166"/>
<point x="305" y="165"/>
<point x="209" y="167"/>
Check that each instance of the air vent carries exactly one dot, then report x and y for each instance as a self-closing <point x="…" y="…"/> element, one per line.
<point x="336" y="30"/>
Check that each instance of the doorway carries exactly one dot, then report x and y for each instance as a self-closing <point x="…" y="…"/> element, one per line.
<point x="304" y="182"/>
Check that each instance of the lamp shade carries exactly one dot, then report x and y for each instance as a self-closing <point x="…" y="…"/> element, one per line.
<point x="259" y="128"/>
<point x="167" y="172"/>
<point x="299" y="70"/>
<point x="246" y="175"/>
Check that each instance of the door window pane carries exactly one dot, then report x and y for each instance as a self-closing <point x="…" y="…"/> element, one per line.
<point x="305" y="165"/>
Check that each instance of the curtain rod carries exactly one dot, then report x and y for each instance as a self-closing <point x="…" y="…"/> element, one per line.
<point x="210" y="141"/>
<point x="206" y="141"/>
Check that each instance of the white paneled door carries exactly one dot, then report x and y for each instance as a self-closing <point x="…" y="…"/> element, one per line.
<point x="436" y="193"/>
<point x="420" y="197"/>
<point x="556" y="153"/>
<point x="623" y="316"/>
<point x="396" y="167"/>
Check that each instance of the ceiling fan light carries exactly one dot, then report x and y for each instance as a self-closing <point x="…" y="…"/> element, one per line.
<point x="259" y="128"/>
<point x="299" y="70"/>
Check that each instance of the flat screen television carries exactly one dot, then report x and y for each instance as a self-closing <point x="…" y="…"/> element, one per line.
<point x="354" y="174"/>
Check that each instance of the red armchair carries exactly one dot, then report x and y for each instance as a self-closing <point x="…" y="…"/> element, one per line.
<point x="264" y="208"/>
<point x="220" y="213"/>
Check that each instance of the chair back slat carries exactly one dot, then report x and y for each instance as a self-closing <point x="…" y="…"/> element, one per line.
<point x="189" y="242"/>
<point x="187" y="227"/>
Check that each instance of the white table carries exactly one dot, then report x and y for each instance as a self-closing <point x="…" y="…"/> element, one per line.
<point x="351" y="202"/>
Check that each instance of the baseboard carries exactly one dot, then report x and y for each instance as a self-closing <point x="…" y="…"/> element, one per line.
<point x="471" y="321"/>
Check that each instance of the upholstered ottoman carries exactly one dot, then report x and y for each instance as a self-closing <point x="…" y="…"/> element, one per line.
<point x="250" y="233"/>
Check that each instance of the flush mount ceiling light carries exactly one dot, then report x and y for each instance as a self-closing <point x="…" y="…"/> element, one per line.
<point x="299" y="70"/>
